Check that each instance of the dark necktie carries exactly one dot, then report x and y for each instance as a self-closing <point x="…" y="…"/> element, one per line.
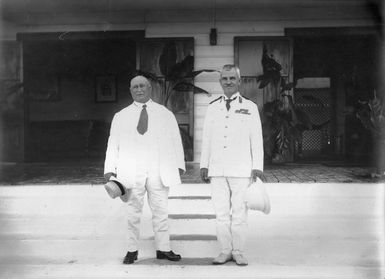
<point x="143" y="121"/>
<point x="228" y="101"/>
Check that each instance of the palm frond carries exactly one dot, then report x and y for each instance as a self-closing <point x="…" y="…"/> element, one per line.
<point x="195" y="73"/>
<point x="187" y="87"/>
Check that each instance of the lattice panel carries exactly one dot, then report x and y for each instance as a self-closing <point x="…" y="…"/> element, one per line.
<point x="316" y="103"/>
<point x="312" y="141"/>
<point x="313" y="96"/>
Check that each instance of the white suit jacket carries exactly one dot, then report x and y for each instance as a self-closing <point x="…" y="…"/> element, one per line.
<point x="232" y="143"/>
<point x="121" y="153"/>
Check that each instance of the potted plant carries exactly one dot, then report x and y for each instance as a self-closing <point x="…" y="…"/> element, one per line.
<point x="282" y="121"/>
<point x="282" y="129"/>
<point x="372" y="116"/>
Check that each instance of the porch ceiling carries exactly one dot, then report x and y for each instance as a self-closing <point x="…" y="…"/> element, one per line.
<point x="17" y="10"/>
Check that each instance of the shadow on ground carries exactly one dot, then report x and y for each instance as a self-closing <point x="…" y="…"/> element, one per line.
<point x="182" y="262"/>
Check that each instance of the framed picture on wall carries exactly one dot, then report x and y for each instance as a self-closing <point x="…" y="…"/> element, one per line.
<point x="105" y="91"/>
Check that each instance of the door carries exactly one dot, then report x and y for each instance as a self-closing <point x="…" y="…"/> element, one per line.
<point x="11" y="103"/>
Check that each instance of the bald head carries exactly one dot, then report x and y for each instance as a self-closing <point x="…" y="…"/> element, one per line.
<point x="140" y="89"/>
<point x="140" y="79"/>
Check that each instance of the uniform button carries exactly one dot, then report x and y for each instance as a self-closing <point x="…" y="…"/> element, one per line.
<point x="225" y="136"/>
<point x="227" y="116"/>
<point x="225" y="126"/>
<point x="224" y="146"/>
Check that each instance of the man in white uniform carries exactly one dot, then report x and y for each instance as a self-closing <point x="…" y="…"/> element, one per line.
<point x="232" y="157"/>
<point x="145" y="153"/>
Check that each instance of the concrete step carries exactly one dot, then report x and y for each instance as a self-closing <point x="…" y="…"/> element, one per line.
<point x="327" y="190"/>
<point x="260" y="225"/>
<point x="277" y="189"/>
<point x="265" y="226"/>
<point x="317" y="207"/>
<point x="96" y="203"/>
<point x="188" y="216"/>
<point x="292" y="206"/>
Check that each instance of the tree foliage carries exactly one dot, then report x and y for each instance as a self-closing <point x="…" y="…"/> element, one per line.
<point x="372" y="116"/>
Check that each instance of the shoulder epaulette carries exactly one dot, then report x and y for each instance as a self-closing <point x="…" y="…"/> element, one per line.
<point x="217" y="99"/>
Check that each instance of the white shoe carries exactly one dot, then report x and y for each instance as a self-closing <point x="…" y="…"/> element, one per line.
<point x="222" y="258"/>
<point x="240" y="259"/>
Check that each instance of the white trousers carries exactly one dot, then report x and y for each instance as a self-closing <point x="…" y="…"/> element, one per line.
<point x="227" y="195"/>
<point x="157" y="195"/>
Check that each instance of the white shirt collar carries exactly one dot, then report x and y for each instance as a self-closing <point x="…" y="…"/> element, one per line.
<point x="140" y="105"/>
<point x="236" y="95"/>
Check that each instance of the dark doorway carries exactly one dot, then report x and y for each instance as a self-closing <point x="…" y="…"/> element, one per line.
<point x="73" y="88"/>
<point x="349" y="60"/>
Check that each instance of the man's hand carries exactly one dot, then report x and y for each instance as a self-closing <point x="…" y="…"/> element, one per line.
<point x="108" y="175"/>
<point x="257" y="173"/>
<point x="181" y="171"/>
<point x="204" y="175"/>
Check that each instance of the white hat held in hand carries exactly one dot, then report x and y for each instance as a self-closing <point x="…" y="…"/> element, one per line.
<point x="256" y="197"/>
<point x="115" y="189"/>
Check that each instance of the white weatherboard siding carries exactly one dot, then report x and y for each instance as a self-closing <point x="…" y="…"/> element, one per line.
<point x="257" y="21"/>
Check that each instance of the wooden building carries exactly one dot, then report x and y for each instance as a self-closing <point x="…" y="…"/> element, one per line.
<point x="65" y="67"/>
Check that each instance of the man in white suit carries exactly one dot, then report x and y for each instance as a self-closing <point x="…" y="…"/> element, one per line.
<point x="145" y="153"/>
<point x="232" y="157"/>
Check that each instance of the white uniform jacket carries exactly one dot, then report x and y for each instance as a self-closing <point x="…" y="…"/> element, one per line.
<point x="232" y="143"/>
<point x="121" y="153"/>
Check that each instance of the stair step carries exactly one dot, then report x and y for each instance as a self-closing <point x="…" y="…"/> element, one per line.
<point x="314" y="206"/>
<point x="286" y="200"/>
<point x="289" y="206"/>
<point x="189" y="198"/>
<point x="329" y="190"/>
<point x="191" y="216"/>
<point x="188" y="237"/>
<point x="303" y="190"/>
<point x="258" y="225"/>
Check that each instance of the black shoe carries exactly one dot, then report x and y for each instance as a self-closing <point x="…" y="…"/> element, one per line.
<point x="130" y="257"/>
<point x="168" y="255"/>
